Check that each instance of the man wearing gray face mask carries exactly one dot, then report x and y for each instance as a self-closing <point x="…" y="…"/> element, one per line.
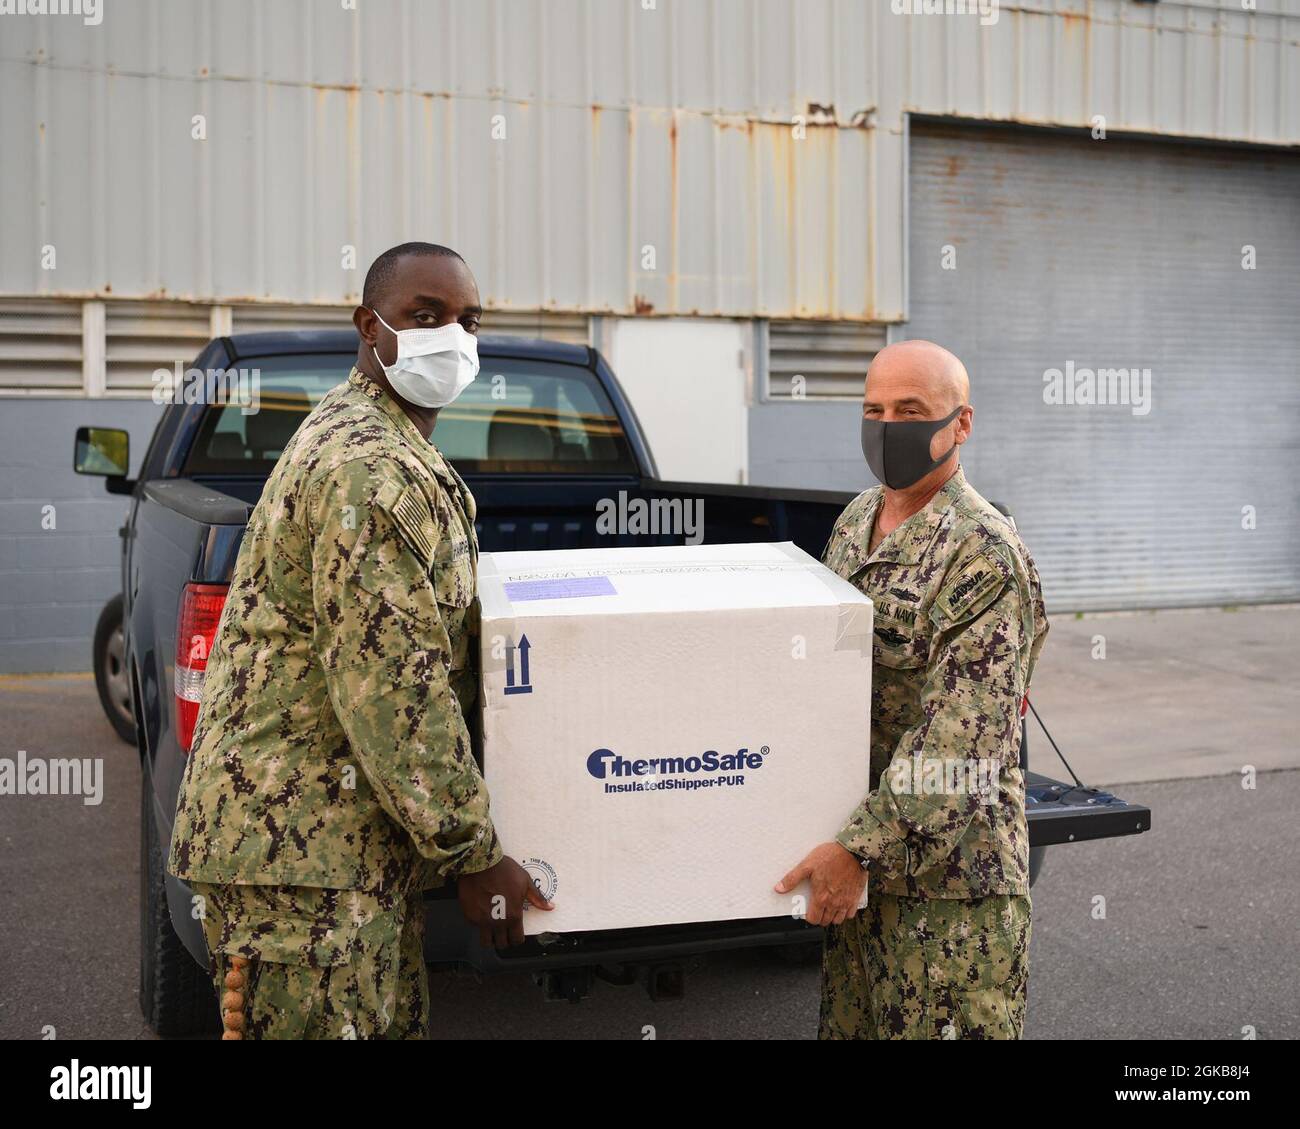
<point x="942" y="948"/>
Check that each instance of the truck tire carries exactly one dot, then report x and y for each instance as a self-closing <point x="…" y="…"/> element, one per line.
<point x="1036" y="857"/>
<point x="111" y="677"/>
<point x="176" y="995"/>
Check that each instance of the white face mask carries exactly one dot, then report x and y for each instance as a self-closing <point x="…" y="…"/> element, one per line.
<point x="433" y="366"/>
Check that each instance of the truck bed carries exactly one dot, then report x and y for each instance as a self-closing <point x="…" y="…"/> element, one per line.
<point x="186" y="526"/>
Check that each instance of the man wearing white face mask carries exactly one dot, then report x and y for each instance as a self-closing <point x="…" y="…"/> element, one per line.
<point x="332" y="780"/>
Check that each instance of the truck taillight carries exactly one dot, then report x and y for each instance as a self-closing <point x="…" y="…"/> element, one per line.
<point x="196" y="628"/>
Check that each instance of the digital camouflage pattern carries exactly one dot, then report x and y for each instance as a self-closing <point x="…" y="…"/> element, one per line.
<point x="331" y="747"/>
<point x="313" y="963"/>
<point x="959" y="624"/>
<point x="928" y="968"/>
<point x="941" y="950"/>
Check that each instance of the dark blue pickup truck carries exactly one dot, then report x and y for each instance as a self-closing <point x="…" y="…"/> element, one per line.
<point x="541" y="449"/>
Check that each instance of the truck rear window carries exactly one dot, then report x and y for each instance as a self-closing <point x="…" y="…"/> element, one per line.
<point x="519" y="416"/>
<point x="524" y="417"/>
<point x="234" y="440"/>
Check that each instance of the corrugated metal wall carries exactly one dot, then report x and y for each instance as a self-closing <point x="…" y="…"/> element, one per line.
<point x="625" y="128"/>
<point x="1123" y="254"/>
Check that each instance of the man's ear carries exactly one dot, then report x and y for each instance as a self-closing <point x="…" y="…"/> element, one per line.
<point x="367" y="324"/>
<point x="964" y="423"/>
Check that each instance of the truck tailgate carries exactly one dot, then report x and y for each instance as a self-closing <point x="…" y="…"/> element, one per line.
<point x="1066" y="813"/>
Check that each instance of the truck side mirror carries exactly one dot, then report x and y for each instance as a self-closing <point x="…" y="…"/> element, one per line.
<point x="106" y="453"/>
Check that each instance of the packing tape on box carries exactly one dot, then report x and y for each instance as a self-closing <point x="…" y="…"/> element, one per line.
<point x="853" y="625"/>
<point x="852" y="629"/>
<point x="496" y="606"/>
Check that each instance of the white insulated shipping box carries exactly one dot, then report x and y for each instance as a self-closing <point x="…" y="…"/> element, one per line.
<point x="667" y="731"/>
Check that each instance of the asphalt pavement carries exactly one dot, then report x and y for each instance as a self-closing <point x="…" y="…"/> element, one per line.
<point x="1189" y="930"/>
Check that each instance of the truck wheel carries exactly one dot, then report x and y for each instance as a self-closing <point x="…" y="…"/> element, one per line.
<point x="1036" y="857"/>
<point x="176" y="995"/>
<point x="111" y="679"/>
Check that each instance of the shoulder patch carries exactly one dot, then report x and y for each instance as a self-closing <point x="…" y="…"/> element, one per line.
<point x="970" y="588"/>
<point x="414" y="521"/>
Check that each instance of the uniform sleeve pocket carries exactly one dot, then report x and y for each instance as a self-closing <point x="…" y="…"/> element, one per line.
<point x="995" y="667"/>
<point x="387" y="564"/>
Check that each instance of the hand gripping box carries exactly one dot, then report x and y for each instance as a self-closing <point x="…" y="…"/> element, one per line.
<point x="667" y="731"/>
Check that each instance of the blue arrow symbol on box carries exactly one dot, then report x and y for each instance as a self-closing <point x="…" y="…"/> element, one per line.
<point x="524" y="686"/>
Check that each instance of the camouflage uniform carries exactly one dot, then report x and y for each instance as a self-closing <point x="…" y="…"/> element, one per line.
<point x="942" y="948"/>
<point x="323" y="964"/>
<point x="331" y="779"/>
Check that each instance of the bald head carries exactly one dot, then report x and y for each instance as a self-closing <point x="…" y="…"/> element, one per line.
<point x="915" y="382"/>
<point x="918" y="370"/>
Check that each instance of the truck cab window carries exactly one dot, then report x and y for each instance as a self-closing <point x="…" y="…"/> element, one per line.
<point x="248" y="438"/>
<point x="533" y="418"/>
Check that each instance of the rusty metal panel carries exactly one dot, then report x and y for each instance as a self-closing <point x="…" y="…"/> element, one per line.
<point x="1204" y="69"/>
<point x="752" y="148"/>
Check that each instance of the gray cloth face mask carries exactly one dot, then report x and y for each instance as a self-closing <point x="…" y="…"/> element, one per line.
<point x="899" y="453"/>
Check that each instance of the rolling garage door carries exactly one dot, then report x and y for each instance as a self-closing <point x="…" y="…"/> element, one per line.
<point x="1036" y="252"/>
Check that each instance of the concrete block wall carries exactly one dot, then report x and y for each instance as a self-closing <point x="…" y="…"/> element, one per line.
<point x="54" y="581"/>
